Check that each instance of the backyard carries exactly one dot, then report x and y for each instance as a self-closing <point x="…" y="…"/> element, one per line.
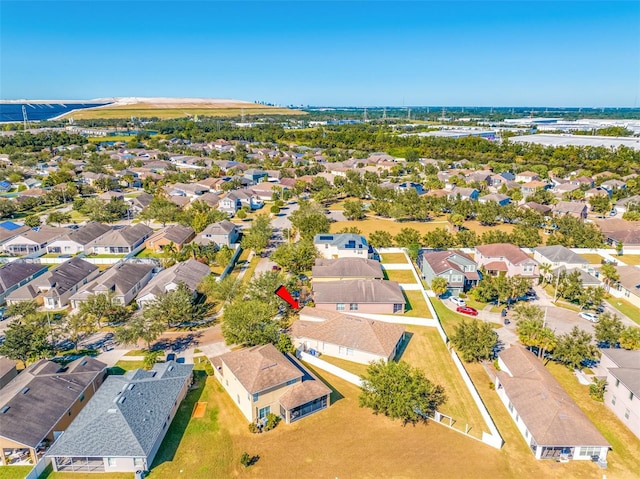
<point x="630" y="259"/>
<point x="625" y="307"/>
<point x="401" y="276"/>
<point x="387" y="258"/>
<point x="416" y="305"/>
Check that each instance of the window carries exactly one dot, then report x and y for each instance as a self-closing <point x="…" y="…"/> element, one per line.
<point x="5" y="409"/>
<point x="339" y="306"/>
<point x="291" y="381"/>
<point x="353" y="307"/>
<point x="627" y="413"/>
<point x="111" y="461"/>
<point x="138" y="462"/>
<point x="589" y="451"/>
<point x="526" y="434"/>
<point x="81" y="397"/>
<point x="69" y="412"/>
<point x="398" y="308"/>
<point x="617" y="382"/>
<point x="262" y="413"/>
<point x="255" y="397"/>
<point x="528" y="268"/>
<point x="613" y="400"/>
<point x="510" y="407"/>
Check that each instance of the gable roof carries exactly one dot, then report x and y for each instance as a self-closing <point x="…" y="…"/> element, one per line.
<point x="86" y="233"/>
<point x="142" y="200"/>
<point x="569" y="207"/>
<point x="58" y="280"/>
<point x="550" y="415"/>
<point x="441" y="261"/>
<point x="629" y="278"/>
<point x="260" y="367"/>
<point x="628" y="367"/>
<point x="120" y="278"/>
<point x="127" y="414"/>
<point x="40" y="395"/>
<point x="341" y="240"/>
<point x="43" y="234"/>
<point x="127" y="236"/>
<point x="347" y="267"/>
<point x="560" y="254"/>
<point x="9" y="232"/>
<point x="178" y="234"/>
<point x="376" y="337"/>
<point x="13" y="273"/>
<point x="504" y="250"/>
<point x="358" y="291"/>
<point x="189" y="272"/>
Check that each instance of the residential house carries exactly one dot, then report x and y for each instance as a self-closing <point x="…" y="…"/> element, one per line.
<point x="627" y="204"/>
<point x="571" y="208"/>
<point x="111" y="195"/>
<point x="33" y="240"/>
<point x="40" y="403"/>
<point x="140" y="202"/>
<point x="122" y="280"/>
<point x="463" y="194"/>
<point x="256" y="176"/>
<point x="345" y="269"/>
<point x="8" y="371"/>
<point x="359" y="296"/>
<point x="551" y="423"/>
<point x="190" y="273"/>
<point x="613" y="185"/>
<point x="537" y="207"/>
<point x="458" y="268"/>
<point x="500" y="199"/>
<point x="342" y="245"/>
<point x="191" y="190"/>
<point x="628" y="286"/>
<point x="122" y="240"/>
<point x="124" y="423"/>
<point x="55" y="287"/>
<point x="16" y="274"/>
<point x="212" y="184"/>
<point x="506" y="258"/>
<point x="236" y="199"/>
<point x="221" y="233"/>
<point x="526" y="177"/>
<point x="583" y="181"/>
<point x="5" y="186"/>
<point x="78" y="241"/>
<point x="9" y="230"/>
<point x="561" y="189"/>
<point x="618" y="231"/>
<point x="32" y="183"/>
<point x="531" y="187"/>
<point x="210" y="199"/>
<point x="90" y="178"/>
<point x="265" y="190"/>
<point x="346" y="337"/>
<point x="261" y="380"/>
<point x="597" y="191"/>
<point x="559" y="256"/>
<point x="176" y="235"/>
<point x="622" y="394"/>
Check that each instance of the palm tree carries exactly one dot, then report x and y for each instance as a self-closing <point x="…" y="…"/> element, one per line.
<point x="610" y="274"/>
<point x="170" y="254"/>
<point x="545" y="272"/>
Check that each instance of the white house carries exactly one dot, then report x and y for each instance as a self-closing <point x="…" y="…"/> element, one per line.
<point x="78" y="241"/>
<point x="552" y="424"/>
<point x="343" y="245"/>
<point x="622" y="394"/>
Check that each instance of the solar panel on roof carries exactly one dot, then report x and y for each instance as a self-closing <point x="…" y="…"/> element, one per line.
<point x="326" y="238"/>
<point x="9" y="225"/>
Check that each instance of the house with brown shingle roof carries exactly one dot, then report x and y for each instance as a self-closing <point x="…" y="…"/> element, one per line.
<point x="506" y="258"/>
<point x="550" y="421"/>
<point x="359" y="295"/>
<point x="262" y="380"/>
<point x="347" y="337"/>
<point x="177" y="235"/>
<point x="571" y="208"/>
<point x="346" y="268"/>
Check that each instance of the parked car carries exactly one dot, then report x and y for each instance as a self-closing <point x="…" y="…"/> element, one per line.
<point x="589" y="316"/>
<point x="457" y="301"/>
<point x="467" y="310"/>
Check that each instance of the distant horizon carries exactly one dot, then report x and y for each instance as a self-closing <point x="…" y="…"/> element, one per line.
<point x="576" y="53"/>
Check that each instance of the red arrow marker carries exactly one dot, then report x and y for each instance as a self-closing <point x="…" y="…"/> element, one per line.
<point x="283" y="293"/>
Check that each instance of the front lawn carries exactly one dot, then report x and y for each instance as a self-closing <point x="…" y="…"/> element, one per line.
<point x="626" y="308"/>
<point x="350" y="366"/>
<point x="416" y="305"/>
<point x="149" y="253"/>
<point x="122" y="367"/>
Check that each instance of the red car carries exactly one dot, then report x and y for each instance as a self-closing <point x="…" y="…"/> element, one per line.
<point x="467" y="310"/>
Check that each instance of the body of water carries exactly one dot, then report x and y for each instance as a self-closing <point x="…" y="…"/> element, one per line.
<point x="39" y="111"/>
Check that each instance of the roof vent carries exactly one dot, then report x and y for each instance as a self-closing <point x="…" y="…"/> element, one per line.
<point x="5" y="409"/>
<point x="122" y="399"/>
<point x="25" y="390"/>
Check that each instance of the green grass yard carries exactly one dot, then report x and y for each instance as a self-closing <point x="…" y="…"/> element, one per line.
<point x="626" y="308"/>
<point x="386" y="258"/>
<point x="416" y="305"/>
<point x="401" y="276"/>
<point x="630" y="259"/>
<point x="14" y="472"/>
<point x="592" y="258"/>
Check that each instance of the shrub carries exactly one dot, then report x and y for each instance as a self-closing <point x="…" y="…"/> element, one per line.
<point x="272" y="421"/>
<point x="245" y="459"/>
<point x="253" y="428"/>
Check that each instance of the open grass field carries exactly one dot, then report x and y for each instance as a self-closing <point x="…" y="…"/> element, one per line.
<point x="416" y="306"/>
<point x="630" y="259"/>
<point x="592" y="258"/>
<point x="387" y="258"/>
<point x="399" y="276"/>
<point x="626" y="308"/>
<point x="371" y="224"/>
<point x="143" y="110"/>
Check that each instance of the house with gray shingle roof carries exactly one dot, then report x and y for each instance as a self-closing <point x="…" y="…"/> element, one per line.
<point x="261" y="380"/>
<point x="16" y="274"/>
<point x="550" y="421"/>
<point x="347" y="337"/>
<point x="359" y="295"/>
<point x="33" y="240"/>
<point x="122" y="426"/>
<point x="559" y="256"/>
<point x="190" y="273"/>
<point x="342" y="245"/>
<point x="221" y="233"/>
<point x="78" y="241"/>
<point x="458" y="268"/>
<point x="122" y="240"/>
<point x="56" y="286"/>
<point x="41" y="401"/>
<point x="122" y="280"/>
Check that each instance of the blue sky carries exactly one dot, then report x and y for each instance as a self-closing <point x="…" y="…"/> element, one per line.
<point x="503" y="53"/>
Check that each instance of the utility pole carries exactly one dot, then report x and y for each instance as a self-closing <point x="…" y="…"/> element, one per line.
<point x="384" y="113"/>
<point x="24" y="118"/>
<point x="364" y="116"/>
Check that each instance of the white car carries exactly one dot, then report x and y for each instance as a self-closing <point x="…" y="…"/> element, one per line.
<point x="457" y="301"/>
<point x="589" y="316"/>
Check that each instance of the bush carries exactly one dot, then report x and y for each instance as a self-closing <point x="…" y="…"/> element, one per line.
<point x="253" y="428"/>
<point x="272" y="421"/>
<point x="245" y="459"/>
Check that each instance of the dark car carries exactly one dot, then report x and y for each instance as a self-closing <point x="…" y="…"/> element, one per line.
<point x="275" y="267"/>
<point x="171" y="357"/>
<point x="467" y="310"/>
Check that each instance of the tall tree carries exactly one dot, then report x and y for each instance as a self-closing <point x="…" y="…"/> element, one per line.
<point x="250" y="323"/>
<point x="610" y="274"/>
<point x="534" y="334"/>
<point x="354" y="210"/>
<point x="257" y="237"/>
<point x="575" y="347"/>
<point x="400" y="391"/>
<point x="608" y="329"/>
<point x="26" y="338"/>
<point x="439" y="285"/>
<point x="381" y="239"/>
<point x="475" y="340"/>
<point x="630" y="338"/>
